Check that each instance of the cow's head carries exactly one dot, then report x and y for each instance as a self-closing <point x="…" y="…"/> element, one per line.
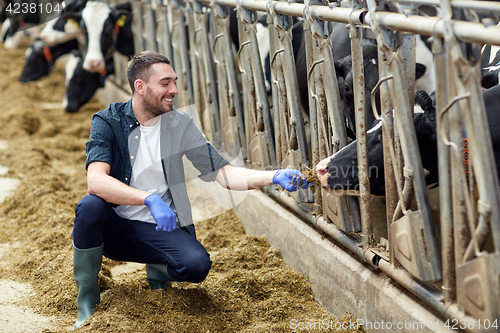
<point x="339" y="172"/>
<point x="81" y="84"/>
<point x="100" y="23"/>
<point x="38" y="61"/>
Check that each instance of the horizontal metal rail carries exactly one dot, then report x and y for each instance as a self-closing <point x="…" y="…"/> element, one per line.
<point x="429" y="26"/>
<point x="481" y="6"/>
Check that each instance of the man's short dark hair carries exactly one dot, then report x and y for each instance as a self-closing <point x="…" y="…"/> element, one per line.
<point x="140" y="64"/>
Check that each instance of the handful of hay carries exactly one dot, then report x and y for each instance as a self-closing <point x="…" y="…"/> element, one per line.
<point x="309" y="175"/>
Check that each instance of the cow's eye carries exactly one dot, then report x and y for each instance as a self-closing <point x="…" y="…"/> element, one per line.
<point x="347" y="89"/>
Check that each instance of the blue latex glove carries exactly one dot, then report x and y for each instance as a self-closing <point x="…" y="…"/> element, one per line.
<point x="289" y="179"/>
<point x="162" y="213"/>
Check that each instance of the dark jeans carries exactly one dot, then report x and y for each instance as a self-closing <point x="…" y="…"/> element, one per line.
<point x="96" y="223"/>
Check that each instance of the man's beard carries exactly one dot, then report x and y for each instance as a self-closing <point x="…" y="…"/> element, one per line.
<point x="152" y="106"/>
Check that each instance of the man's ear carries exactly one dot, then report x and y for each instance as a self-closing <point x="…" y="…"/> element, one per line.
<point x="139" y="86"/>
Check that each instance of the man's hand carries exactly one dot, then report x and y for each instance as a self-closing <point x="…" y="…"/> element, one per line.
<point x="163" y="215"/>
<point x="290" y="179"/>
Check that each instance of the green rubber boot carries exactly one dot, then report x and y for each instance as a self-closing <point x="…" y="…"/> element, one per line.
<point x="158" y="277"/>
<point x="86" y="266"/>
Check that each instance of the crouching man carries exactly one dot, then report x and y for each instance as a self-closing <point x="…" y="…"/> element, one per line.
<point x="137" y="208"/>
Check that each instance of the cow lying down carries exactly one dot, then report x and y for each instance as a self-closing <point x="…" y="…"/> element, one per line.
<point x="339" y="172"/>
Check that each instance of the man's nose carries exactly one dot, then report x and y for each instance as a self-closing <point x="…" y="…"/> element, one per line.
<point x="173" y="89"/>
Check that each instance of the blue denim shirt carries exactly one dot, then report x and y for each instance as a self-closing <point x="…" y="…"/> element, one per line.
<point x="114" y="139"/>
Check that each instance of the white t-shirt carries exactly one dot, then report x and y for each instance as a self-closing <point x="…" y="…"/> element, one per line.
<point x="147" y="174"/>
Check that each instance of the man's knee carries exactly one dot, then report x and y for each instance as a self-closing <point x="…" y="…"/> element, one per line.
<point x="90" y="208"/>
<point x="196" y="266"/>
<point x="90" y="214"/>
<point x="91" y="202"/>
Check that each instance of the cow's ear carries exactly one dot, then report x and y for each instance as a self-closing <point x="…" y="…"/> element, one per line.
<point x="420" y="70"/>
<point x="121" y="17"/>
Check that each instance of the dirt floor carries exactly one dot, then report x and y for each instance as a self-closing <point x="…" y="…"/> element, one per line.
<point x="249" y="288"/>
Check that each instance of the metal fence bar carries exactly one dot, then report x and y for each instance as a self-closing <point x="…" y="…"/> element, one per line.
<point x="447" y="248"/>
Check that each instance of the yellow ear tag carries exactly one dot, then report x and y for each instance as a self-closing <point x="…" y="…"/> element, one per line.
<point x="121" y="21"/>
<point x="71" y="26"/>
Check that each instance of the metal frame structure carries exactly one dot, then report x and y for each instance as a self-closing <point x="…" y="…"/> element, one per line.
<point x="459" y="279"/>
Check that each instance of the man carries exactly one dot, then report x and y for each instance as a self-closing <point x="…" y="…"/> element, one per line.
<point x="137" y="208"/>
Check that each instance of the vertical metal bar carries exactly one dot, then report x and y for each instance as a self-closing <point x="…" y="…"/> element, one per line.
<point x="195" y="74"/>
<point x="315" y="119"/>
<point x="275" y="89"/>
<point x="349" y="205"/>
<point x="210" y="76"/>
<point x="185" y="82"/>
<point x="222" y="82"/>
<point x="391" y="195"/>
<point x="332" y="94"/>
<point x="249" y="99"/>
<point x="234" y="93"/>
<point x="163" y="32"/>
<point x="137" y="28"/>
<point x="447" y="244"/>
<point x="293" y="94"/>
<point x="262" y="104"/>
<point x="405" y="125"/>
<point x="361" y="142"/>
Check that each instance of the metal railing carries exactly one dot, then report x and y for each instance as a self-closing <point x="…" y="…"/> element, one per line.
<point x="460" y="277"/>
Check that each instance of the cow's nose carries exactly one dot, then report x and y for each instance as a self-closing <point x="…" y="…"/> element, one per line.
<point x="321" y="170"/>
<point x="95" y="65"/>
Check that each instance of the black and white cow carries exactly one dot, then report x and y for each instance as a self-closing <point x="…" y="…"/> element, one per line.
<point x="81" y="84"/>
<point x="106" y="28"/>
<point x="339" y="172"/>
<point x="40" y="58"/>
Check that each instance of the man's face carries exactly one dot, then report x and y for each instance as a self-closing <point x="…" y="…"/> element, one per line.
<point x="160" y="89"/>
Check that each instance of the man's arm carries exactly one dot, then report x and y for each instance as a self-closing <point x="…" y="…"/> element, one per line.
<point x="112" y="190"/>
<point x="100" y="183"/>
<point x="242" y="179"/>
